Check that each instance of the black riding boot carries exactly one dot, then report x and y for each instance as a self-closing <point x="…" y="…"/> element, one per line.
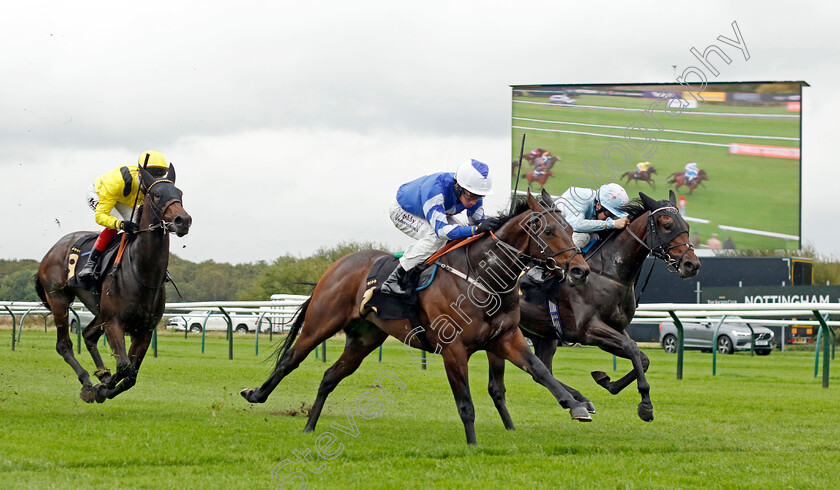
<point x="87" y="273"/>
<point x="395" y="284"/>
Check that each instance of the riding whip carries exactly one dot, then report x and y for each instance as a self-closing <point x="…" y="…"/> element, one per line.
<point x="133" y="208"/>
<point x="518" y="173"/>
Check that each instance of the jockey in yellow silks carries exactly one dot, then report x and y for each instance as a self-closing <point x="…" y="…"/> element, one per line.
<point x="112" y="197"/>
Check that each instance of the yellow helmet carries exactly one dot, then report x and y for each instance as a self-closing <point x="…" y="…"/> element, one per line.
<point x="156" y="160"/>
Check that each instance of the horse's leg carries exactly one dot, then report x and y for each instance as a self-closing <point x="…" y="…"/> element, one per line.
<point x="136" y="353"/>
<point x="115" y="334"/>
<point x="92" y="333"/>
<point x="321" y="322"/>
<point x="60" y="307"/>
<point x="512" y="346"/>
<point x="362" y="339"/>
<point x="496" y="388"/>
<point x="544" y="349"/>
<point x="455" y="360"/>
<point x="620" y="344"/>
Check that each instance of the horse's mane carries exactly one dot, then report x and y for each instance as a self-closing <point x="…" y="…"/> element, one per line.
<point x="634" y="209"/>
<point x="519" y="204"/>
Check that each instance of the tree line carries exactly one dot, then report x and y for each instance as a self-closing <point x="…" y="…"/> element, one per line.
<point x="209" y="280"/>
<point x="213" y="281"/>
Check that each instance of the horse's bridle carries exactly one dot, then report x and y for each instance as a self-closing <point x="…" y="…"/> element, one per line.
<point x="549" y="262"/>
<point x="658" y="244"/>
<point x="160" y="211"/>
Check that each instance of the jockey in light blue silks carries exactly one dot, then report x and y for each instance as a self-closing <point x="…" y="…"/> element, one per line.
<point x="425" y="209"/>
<point x="588" y="210"/>
<point x="691" y="171"/>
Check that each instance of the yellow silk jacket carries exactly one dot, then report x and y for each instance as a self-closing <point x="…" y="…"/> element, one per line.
<point x="118" y="185"/>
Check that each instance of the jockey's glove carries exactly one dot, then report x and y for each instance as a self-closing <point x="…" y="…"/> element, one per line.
<point x="490" y="224"/>
<point x="129" y="226"/>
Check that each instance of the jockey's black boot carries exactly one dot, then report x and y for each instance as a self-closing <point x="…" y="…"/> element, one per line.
<point x="87" y="273"/>
<point x="395" y="284"/>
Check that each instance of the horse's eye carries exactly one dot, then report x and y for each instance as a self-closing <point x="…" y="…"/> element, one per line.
<point x="549" y="232"/>
<point x="668" y="225"/>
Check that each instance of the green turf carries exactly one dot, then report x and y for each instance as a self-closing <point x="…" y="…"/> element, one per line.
<point x="762" y="422"/>
<point x="758" y="193"/>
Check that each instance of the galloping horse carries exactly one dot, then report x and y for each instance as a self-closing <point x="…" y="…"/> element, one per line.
<point x="678" y="179"/>
<point x="538" y="175"/>
<point x="643" y="176"/>
<point x="456" y="326"/>
<point x="134" y="296"/>
<point x="598" y="312"/>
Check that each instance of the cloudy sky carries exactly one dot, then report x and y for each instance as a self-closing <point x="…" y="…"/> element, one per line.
<point x="291" y="124"/>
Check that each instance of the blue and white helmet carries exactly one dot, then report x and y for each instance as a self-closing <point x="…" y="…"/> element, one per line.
<point x="612" y="197"/>
<point x="691" y="166"/>
<point x="474" y="176"/>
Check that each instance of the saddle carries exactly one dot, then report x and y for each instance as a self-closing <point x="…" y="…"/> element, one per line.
<point x="389" y="307"/>
<point x="78" y="257"/>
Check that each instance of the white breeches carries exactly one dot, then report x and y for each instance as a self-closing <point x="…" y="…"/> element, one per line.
<point x="418" y="228"/>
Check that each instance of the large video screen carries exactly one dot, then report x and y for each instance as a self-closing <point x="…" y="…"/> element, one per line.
<point x="743" y="139"/>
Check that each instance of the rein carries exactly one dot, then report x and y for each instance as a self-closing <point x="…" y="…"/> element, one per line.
<point x="549" y="262"/>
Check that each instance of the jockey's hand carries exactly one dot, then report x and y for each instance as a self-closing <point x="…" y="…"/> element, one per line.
<point x="129" y="226"/>
<point x="621" y="223"/>
<point x="490" y="224"/>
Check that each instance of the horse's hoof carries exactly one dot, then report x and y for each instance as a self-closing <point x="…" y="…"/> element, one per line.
<point x="601" y="378"/>
<point x="248" y="394"/>
<point x="88" y="394"/>
<point x="645" y="412"/>
<point x="101" y="396"/>
<point x="581" y="414"/>
<point x="589" y="406"/>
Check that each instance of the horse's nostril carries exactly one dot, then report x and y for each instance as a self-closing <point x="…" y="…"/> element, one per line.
<point x="578" y="272"/>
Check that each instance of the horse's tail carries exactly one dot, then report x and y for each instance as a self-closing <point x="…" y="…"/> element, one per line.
<point x="672" y="179"/>
<point x="293" y="332"/>
<point x="40" y="290"/>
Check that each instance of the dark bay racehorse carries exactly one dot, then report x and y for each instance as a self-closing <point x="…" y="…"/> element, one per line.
<point x="598" y="312"/>
<point x="460" y="317"/>
<point x="679" y="180"/>
<point x="133" y="296"/>
<point x="641" y="176"/>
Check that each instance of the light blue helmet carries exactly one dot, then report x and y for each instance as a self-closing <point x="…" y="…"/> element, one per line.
<point x="612" y="197"/>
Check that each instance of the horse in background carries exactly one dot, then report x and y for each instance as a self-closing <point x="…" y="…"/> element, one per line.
<point x="539" y="176"/>
<point x="679" y="180"/>
<point x="641" y="176"/>
<point x="134" y="297"/>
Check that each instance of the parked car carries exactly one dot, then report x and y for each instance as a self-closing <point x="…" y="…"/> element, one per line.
<point x="731" y="336"/>
<point x="561" y="99"/>
<point x="84" y="315"/>
<point x="195" y="321"/>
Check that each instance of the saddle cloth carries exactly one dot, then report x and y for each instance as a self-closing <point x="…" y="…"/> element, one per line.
<point x="78" y="257"/>
<point x="389" y="307"/>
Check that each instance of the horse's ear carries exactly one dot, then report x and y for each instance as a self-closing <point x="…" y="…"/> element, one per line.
<point x="545" y="199"/>
<point x="649" y="202"/>
<point x="170" y="175"/>
<point x="146" y="178"/>
<point x="672" y="197"/>
<point x="532" y="202"/>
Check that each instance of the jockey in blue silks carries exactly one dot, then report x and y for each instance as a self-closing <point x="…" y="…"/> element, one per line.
<point x="425" y="209"/>
<point x="691" y="171"/>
